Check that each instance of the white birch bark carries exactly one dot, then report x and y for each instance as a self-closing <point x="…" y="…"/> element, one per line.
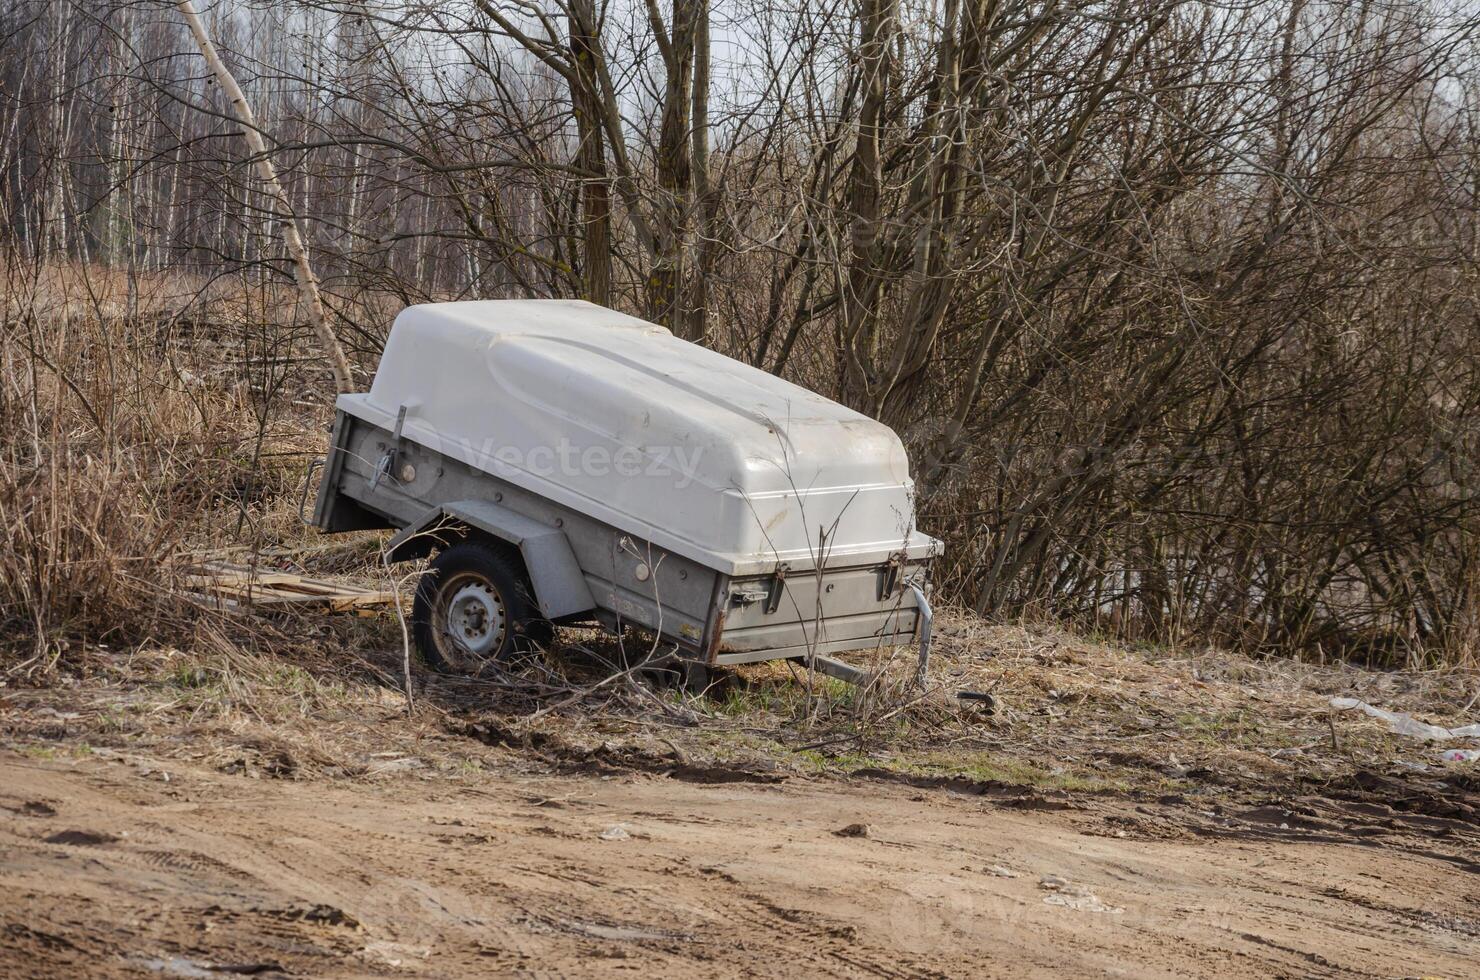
<point x="308" y="284"/>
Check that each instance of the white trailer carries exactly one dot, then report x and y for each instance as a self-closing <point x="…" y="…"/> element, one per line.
<point x="567" y="463"/>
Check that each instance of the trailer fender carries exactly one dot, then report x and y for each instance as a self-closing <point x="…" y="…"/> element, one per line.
<point x="559" y="586"/>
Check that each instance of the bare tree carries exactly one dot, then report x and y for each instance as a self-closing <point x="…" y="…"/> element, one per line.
<point x="1173" y="305"/>
<point x="303" y="274"/>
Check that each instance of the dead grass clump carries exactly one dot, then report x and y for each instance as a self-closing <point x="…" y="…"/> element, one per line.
<point x="86" y="556"/>
<point x="123" y="449"/>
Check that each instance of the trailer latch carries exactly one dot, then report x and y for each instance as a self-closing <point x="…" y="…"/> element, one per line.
<point x="770" y="595"/>
<point x="387" y="464"/>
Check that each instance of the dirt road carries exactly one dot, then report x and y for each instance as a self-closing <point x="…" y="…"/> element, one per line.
<point x="108" y="868"/>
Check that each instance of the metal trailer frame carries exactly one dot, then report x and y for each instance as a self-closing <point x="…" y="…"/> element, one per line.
<point x="583" y="570"/>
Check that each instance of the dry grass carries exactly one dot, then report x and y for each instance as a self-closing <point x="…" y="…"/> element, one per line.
<point x="1083" y="709"/>
<point x="137" y="441"/>
<point x="318" y="698"/>
<point x="130" y="439"/>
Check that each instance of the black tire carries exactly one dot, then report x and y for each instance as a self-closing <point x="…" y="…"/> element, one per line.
<point x="696" y="677"/>
<point x="474" y="591"/>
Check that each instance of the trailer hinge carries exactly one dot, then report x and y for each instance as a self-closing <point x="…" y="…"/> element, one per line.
<point x="778" y="586"/>
<point x="889" y="575"/>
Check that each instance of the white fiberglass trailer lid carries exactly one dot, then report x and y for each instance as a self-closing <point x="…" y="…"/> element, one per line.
<point x="674" y="443"/>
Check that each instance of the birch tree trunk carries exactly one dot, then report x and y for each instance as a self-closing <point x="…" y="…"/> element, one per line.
<point x="308" y="284"/>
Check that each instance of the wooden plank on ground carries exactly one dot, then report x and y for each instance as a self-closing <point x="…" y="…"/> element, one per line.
<point x="234" y="585"/>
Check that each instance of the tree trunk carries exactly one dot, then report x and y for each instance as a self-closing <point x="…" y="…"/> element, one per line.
<point x="308" y="284"/>
<point x="675" y="176"/>
<point x="878" y="20"/>
<point x="705" y="201"/>
<point x="596" y="233"/>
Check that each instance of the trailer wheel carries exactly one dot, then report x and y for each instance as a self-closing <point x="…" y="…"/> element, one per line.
<point x="472" y="606"/>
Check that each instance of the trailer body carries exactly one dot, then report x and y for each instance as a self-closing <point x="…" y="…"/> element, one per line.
<point x="642" y="480"/>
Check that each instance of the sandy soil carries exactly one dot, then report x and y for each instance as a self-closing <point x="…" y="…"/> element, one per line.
<point x="117" y="865"/>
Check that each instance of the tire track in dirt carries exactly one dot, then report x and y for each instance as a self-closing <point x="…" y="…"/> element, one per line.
<point x="512" y="873"/>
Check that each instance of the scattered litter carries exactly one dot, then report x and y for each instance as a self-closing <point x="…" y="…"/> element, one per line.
<point x="1404" y="724"/>
<point x="1073" y="896"/>
<point x="1460" y="755"/>
<point x="1002" y="871"/>
<point x="617" y="832"/>
<point x="854" y="830"/>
